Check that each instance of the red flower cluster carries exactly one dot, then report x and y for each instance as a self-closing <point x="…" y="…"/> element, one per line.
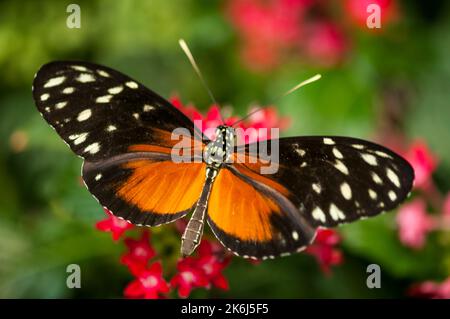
<point x="201" y="271"/>
<point x="324" y="249"/>
<point x="271" y="30"/>
<point x="357" y="10"/>
<point x="264" y="119"/>
<point x="114" y="225"/>
<point x="424" y="163"/>
<point x="414" y="223"/>
<point x="139" y="253"/>
<point x="429" y="211"/>
<point x="413" y="220"/>
<point x="149" y="283"/>
<point x="430" y="289"/>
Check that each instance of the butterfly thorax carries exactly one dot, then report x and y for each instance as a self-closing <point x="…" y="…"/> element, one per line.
<point x="219" y="151"/>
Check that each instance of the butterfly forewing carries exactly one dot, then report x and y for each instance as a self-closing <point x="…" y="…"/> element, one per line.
<point x="334" y="180"/>
<point x="101" y="112"/>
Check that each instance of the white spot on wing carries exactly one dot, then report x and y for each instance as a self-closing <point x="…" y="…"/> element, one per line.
<point x="300" y="151"/>
<point x="78" y="138"/>
<point x="54" y="81"/>
<point x="392" y="195"/>
<point x="104" y="99"/>
<point x="316" y="187"/>
<point x="136" y="115"/>
<point x="68" y="90"/>
<point x="328" y="141"/>
<point x="369" y="159"/>
<point x="358" y="146"/>
<point x="79" y="68"/>
<point x="392" y="177"/>
<point x="60" y="105"/>
<point x="45" y="96"/>
<point x="294" y="235"/>
<point x="85" y="78"/>
<point x="337" y="153"/>
<point x="318" y="214"/>
<point x="84" y="115"/>
<point x="111" y="128"/>
<point x="148" y="108"/>
<point x="336" y="213"/>
<point x="103" y="73"/>
<point x="383" y="154"/>
<point x="372" y="194"/>
<point x="376" y="178"/>
<point x="346" y="191"/>
<point x="115" y="90"/>
<point x="132" y="85"/>
<point x="341" y="167"/>
<point x="93" y="148"/>
<point x="98" y="176"/>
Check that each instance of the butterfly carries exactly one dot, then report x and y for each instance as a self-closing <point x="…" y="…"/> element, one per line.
<point x="123" y="132"/>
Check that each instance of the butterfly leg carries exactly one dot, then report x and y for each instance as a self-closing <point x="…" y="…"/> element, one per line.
<point x="194" y="229"/>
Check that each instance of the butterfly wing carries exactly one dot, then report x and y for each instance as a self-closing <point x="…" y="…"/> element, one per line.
<point x="334" y="180"/>
<point x="253" y="219"/>
<point x="317" y="181"/>
<point x="100" y="112"/>
<point x="123" y="131"/>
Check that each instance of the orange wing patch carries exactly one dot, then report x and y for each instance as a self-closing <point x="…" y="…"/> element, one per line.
<point x="240" y="210"/>
<point x="162" y="187"/>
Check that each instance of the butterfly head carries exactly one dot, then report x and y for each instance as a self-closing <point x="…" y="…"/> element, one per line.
<point x="219" y="151"/>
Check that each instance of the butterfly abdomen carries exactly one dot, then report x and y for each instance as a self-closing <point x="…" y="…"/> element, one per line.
<point x="194" y="229"/>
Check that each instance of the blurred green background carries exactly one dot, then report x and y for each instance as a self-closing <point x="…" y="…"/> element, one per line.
<point x="47" y="217"/>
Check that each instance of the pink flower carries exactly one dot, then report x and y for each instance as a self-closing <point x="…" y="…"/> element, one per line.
<point x="324" y="249"/>
<point x="423" y="161"/>
<point x="212" y="261"/>
<point x="139" y="252"/>
<point x="114" y="225"/>
<point x="189" y="276"/>
<point x="264" y="119"/>
<point x="325" y="43"/>
<point x="272" y="30"/>
<point x="268" y="29"/>
<point x="414" y="223"/>
<point x="430" y="289"/>
<point x="446" y="210"/>
<point x="357" y="10"/>
<point x="149" y="284"/>
<point x="201" y="271"/>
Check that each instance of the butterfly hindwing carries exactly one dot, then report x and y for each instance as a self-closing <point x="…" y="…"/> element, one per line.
<point x="254" y="221"/>
<point x="145" y="191"/>
<point x="334" y="180"/>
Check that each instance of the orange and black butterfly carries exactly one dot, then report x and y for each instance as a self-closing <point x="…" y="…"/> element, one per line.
<point x="123" y="132"/>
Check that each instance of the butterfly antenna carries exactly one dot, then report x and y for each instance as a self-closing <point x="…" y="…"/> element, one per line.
<point x="295" y="88"/>
<point x="189" y="55"/>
